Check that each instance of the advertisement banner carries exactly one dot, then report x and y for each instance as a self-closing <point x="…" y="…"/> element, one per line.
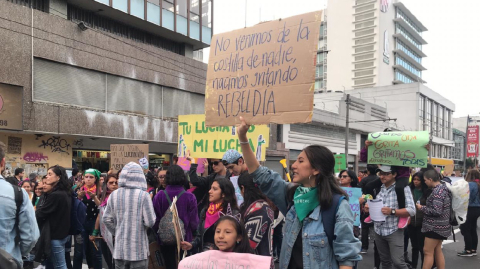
<point x="213" y="142"/>
<point x="399" y="148"/>
<point x="265" y="73"/>
<point x="472" y="141"/>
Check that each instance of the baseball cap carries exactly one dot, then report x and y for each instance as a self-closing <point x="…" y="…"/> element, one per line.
<point x="384" y="168"/>
<point x="231" y="156"/>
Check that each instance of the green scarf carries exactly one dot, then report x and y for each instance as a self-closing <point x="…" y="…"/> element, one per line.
<point x="305" y="200"/>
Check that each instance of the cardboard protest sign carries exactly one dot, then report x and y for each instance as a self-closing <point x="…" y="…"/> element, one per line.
<point x="213" y="142"/>
<point x="449" y="169"/>
<point x="185" y="164"/>
<point x="340" y="162"/>
<point x="265" y="73"/>
<point x="122" y="154"/>
<point x="399" y="148"/>
<point x="354" y="194"/>
<point x="225" y="260"/>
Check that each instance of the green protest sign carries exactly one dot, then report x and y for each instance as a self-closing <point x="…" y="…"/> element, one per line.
<point x="398" y="148"/>
<point x="340" y="162"/>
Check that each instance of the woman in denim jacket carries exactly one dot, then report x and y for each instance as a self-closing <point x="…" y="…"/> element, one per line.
<point x="305" y="243"/>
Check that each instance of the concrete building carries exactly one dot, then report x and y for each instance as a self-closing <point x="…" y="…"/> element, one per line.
<point x="415" y="108"/>
<point x="369" y="43"/>
<point x="458" y="152"/>
<point x="77" y="76"/>
<point x="328" y="128"/>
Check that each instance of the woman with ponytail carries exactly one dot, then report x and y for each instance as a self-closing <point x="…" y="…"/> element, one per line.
<point x="310" y="240"/>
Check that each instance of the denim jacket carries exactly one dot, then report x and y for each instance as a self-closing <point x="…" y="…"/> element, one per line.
<point x="317" y="253"/>
<point x="29" y="232"/>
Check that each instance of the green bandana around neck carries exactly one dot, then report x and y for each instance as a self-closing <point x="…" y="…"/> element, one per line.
<point x="305" y="200"/>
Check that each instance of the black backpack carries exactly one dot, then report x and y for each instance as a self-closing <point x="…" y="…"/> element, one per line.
<point x="6" y="259"/>
<point x="78" y="214"/>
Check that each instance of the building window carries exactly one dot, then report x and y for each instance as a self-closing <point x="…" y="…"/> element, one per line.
<point x="137" y="8"/>
<point x="403" y="16"/>
<point x="428" y="115"/>
<point x="440" y="122"/>
<point x="421" y="106"/>
<point x="206" y="21"/>
<point x="195" y="19"/>
<point x="400" y="76"/>
<point x="401" y="46"/>
<point x="401" y="61"/>
<point x="407" y="35"/>
<point x="153" y="11"/>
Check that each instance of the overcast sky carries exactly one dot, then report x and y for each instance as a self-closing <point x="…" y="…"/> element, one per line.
<point x="453" y="36"/>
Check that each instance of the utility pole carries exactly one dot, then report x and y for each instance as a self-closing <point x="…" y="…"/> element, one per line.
<point x="465" y="147"/>
<point x="346" y="128"/>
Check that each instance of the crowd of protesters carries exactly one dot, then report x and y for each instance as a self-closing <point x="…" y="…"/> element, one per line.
<point x="111" y="218"/>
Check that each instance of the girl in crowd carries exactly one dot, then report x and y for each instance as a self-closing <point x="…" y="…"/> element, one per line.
<point x="27" y="185"/>
<point x="231" y="236"/>
<point x="257" y="214"/>
<point x="152" y="184"/>
<point x="161" y="179"/>
<point x="186" y="206"/>
<point x="469" y="228"/>
<point x="88" y="194"/>
<point x="53" y="217"/>
<point x="220" y="194"/>
<point x="305" y="244"/>
<point x="103" y="177"/>
<point x="37" y="192"/>
<point x="348" y="179"/>
<point x="108" y="187"/>
<point x="436" y="220"/>
<point x="420" y="193"/>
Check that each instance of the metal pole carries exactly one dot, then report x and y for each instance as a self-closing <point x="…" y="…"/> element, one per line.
<point x="347" y="128"/>
<point x="465" y="147"/>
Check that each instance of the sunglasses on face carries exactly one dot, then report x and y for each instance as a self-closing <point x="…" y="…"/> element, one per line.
<point x="344" y="176"/>
<point x="113" y="183"/>
<point x="216" y="162"/>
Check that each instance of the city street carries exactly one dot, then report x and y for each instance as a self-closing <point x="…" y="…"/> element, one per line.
<point x="450" y="250"/>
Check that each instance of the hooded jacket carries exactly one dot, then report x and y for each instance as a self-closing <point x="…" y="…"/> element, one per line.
<point x="128" y="215"/>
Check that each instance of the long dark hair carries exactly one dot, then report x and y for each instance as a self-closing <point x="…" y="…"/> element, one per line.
<point x="244" y="245"/>
<point x="175" y="176"/>
<point x="321" y="159"/>
<point x="353" y="176"/>
<point x="472" y="176"/>
<point x="424" y="188"/>
<point x="34" y="197"/>
<point x="228" y="190"/>
<point x="251" y="192"/>
<point x="63" y="183"/>
<point x="103" y="195"/>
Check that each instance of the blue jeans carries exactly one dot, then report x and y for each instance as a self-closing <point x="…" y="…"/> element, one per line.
<point x="83" y="247"/>
<point x="57" y="257"/>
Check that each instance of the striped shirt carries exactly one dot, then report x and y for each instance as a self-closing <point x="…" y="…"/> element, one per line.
<point x="436" y="214"/>
<point x="128" y="215"/>
<point x="389" y="198"/>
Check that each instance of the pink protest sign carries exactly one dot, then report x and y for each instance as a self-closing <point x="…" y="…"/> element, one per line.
<point x="185" y="164"/>
<point x="223" y="260"/>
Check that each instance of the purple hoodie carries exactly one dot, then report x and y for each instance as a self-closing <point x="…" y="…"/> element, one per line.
<point x="186" y="206"/>
<point x="402" y="171"/>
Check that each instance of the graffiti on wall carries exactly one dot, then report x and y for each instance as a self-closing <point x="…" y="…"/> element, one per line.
<point x="33" y="157"/>
<point x="56" y="144"/>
